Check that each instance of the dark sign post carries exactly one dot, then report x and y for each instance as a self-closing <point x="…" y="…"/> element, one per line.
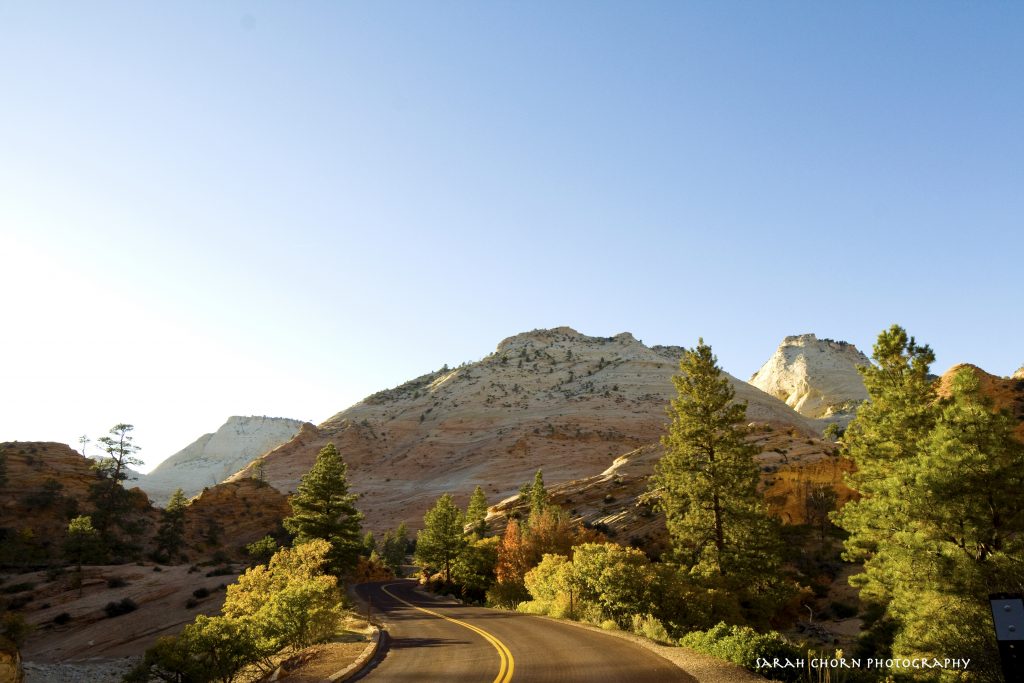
<point x="1008" y="616"/>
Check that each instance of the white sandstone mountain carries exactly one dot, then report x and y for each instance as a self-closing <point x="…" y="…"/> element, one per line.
<point x="554" y="399"/>
<point x="213" y="457"/>
<point x="816" y="377"/>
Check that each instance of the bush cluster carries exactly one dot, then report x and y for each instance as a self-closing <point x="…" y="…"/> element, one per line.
<point x="289" y="602"/>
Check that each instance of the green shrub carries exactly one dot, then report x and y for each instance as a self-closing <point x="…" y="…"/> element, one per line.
<point x="742" y="646"/>
<point x="649" y="627"/>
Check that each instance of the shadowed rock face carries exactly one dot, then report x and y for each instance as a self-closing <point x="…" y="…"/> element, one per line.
<point x="211" y="458"/>
<point x="552" y="399"/>
<point x="231" y="515"/>
<point x="816" y="377"/>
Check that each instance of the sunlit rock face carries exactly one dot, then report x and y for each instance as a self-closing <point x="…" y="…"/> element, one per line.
<point x="551" y="399"/>
<point x="212" y="458"/>
<point x="816" y="377"/>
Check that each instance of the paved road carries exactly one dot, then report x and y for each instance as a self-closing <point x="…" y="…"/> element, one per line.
<point x="433" y="640"/>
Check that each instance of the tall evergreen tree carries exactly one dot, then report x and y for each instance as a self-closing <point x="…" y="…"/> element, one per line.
<point x="171" y="533"/>
<point x="442" y="540"/>
<point x="394" y="547"/>
<point x="110" y="498"/>
<point x="885" y="442"/>
<point x="476" y="513"/>
<point x="940" y="521"/>
<point x="707" y="480"/>
<point x="323" y="508"/>
<point x="82" y="545"/>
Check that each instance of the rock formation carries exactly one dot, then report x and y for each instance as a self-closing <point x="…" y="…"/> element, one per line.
<point x="231" y="515"/>
<point x="816" y="377"/>
<point x="44" y="485"/>
<point x="1019" y="374"/>
<point x="552" y="399"/>
<point x="1006" y="394"/>
<point x="616" y="501"/>
<point x="213" y="457"/>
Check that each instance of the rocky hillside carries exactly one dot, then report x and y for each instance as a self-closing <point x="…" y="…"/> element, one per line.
<point x="1006" y="394"/>
<point x="230" y="515"/>
<point x="213" y="457"/>
<point x="552" y="399"/>
<point x="43" y="485"/>
<point x="794" y="465"/>
<point x="816" y="377"/>
<point x="1019" y="374"/>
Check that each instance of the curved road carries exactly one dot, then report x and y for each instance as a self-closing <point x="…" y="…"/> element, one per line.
<point x="434" y="640"/>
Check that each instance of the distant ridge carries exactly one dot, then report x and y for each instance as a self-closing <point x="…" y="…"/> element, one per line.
<point x="213" y="457"/>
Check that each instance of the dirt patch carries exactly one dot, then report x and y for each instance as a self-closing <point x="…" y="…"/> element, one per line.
<point x="318" y="662"/>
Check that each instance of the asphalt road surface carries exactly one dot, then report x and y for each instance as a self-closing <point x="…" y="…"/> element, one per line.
<point x="434" y="640"/>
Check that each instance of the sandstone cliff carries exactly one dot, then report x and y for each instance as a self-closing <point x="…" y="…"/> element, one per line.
<point x="552" y="399"/>
<point x="1019" y="374"/>
<point x="231" y="515"/>
<point x="44" y="485"/>
<point x="816" y="377"/>
<point x="213" y="457"/>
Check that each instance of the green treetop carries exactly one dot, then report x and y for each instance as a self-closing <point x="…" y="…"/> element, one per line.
<point x="170" y="534"/>
<point x="323" y="508"/>
<point x="476" y="513"/>
<point x="885" y="441"/>
<point x="707" y="480"/>
<point x="441" y="541"/>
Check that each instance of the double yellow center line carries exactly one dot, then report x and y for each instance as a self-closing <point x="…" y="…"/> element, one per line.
<point x="508" y="665"/>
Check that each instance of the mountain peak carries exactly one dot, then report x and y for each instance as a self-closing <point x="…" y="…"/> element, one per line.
<point x="816" y="377"/>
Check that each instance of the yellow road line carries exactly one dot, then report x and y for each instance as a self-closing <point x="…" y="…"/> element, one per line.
<point x="508" y="664"/>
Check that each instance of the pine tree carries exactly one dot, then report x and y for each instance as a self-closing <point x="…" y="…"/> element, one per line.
<point x="967" y="519"/>
<point x="476" y="513"/>
<point x="323" y="508"/>
<point x="110" y="498"/>
<point x="369" y="544"/>
<point x="940" y="521"/>
<point x="171" y="533"/>
<point x="394" y="547"/>
<point x="441" y="541"/>
<point x="82" y="545"/>
<point x="885" y="441"/>
<point x="535" y="494"/>
<point x="707" y="480"/>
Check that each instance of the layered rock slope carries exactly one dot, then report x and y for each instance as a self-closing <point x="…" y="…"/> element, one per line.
<point x="552" y="399"/>
<point x="213" y="457"/>
<point x="794" y="465"/>
<point x="816" y="377"/>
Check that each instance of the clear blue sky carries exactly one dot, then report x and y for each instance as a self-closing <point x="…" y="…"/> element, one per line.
<point x="277" y="208"/>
